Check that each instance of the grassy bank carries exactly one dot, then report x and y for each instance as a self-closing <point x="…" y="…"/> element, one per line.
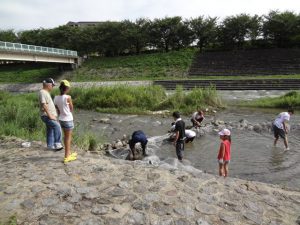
<point x="174" y="64"/>
<point x="289" y="100"/>
<point x="19" y="117"/>
<point x="19" y="114"/>
<point x="27" y="73"/>
<point x="127" y="99"/>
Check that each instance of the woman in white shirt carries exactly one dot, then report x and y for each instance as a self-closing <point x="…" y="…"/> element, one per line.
<point x="64" y="106"/>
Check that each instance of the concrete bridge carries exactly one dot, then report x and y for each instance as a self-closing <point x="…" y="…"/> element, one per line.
<point x="11" y="52"/>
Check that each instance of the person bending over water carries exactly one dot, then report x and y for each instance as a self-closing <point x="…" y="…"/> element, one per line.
<point x="197" y="118"/>
<point x="138" y="137"/>
<point x="224" y="152"/>
<point x="280" y="128"/>
<point x="189" y="134"/>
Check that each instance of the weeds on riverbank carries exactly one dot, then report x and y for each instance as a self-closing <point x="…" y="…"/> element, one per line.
<point x="20" y="117"/>
<point x="19" y="113"/>
<point x="289" y="100"/>
<point x="173" y="64"/>
<point x="129" y="99"/>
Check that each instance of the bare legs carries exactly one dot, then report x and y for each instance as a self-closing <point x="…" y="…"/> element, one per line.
<point x="223" y="169"/>
<point x="67" y="142"/>
<point x="285" y="141"/>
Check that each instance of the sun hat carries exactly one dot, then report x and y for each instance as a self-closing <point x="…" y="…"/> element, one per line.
<point x="224" y="132"/>
<point x="49" y="81"/>
<point x="66" y="83"/>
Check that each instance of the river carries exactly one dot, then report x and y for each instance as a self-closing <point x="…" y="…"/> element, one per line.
<point x="253" y="154"/>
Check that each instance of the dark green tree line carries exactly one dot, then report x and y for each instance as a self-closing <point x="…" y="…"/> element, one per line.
<point x="277" y="29"/>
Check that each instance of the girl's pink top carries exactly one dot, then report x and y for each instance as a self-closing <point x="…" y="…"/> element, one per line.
<point x="227" y="145"/>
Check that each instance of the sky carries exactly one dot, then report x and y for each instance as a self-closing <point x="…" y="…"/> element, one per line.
<point x="33" y="14"/>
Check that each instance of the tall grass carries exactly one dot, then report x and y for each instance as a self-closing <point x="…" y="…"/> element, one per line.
<point x="19" y="114"/>
<point x="128" y="99"/>
<point x="20" y="117"/>
<point x="289" y="100"/>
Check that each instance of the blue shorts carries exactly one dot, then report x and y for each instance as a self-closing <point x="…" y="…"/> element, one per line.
<point x="67" y="125"/>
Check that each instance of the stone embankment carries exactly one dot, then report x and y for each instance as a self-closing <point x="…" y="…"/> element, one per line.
<point x="38" y="188"/>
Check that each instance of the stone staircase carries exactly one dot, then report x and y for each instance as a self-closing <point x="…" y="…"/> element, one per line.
<point x="250" y="84"/>
<point x="247" y="62"/>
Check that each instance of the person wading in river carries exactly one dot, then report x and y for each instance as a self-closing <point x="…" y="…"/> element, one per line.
<point x="180" y="135"/>
<point x="138" y="137"/>
<point x="224" y="152"/>
<point x="197" y="118"/>
<point x="280" y="127"/>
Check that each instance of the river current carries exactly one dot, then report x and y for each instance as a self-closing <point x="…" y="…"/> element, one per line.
<point x="253" y="155"/>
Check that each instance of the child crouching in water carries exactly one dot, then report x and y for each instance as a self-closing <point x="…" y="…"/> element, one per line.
<point x="224" y="152"/>
<point x="64" y="106"/>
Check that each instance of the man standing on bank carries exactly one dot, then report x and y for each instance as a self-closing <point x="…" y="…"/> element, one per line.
<point x="280" y="128"/>
<point x="49" y="116"/>
<point x="180" y="135"/>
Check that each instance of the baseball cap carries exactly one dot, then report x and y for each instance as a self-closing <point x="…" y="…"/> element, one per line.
<point x="66" y="83"/>
<point x="49" y="81"/>
<point x="224" y="132"/>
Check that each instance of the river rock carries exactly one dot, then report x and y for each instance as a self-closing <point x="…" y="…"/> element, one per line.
<point x="257" y="128"/>
<point x="104" y="120"/>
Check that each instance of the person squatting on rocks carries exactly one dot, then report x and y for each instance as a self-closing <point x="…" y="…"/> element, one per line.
<point x="280" y="128"/>
<point x="189" y="134"/>
<point x="49" y="116"/>
<point x="64" y="106"/>
<point x="224" y="152"/>
<point x="138" y="137"/>
<point x="180" y="135"/>
<point x="197" y="118"/>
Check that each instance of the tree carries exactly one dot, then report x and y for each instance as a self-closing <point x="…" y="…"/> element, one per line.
<point x="165" y="33"/>
<point x="282" y="29"/>
<point x="204" y="30"/>
<point x="8" y="36"/>
<point x="234" y="31"/>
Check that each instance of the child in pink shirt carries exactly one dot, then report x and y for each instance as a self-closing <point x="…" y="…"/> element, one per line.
<point x="224" y="152"/>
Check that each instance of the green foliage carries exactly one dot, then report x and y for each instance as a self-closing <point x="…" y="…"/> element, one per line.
<point x="279" y="29"/>
<point x="126" y="99"/>
<point x="27" y="73"/>
<point x="282" y="29"/>
<point x="289" y="100"/>
<point x="146" y="66"/>
<point x="19" y="116"/>
<point x="11" y="221"/>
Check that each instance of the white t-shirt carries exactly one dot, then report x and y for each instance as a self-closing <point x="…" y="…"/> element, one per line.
<point x="190" y="133"/>
<point x="64" y="110"/>
<point x="197" y="116"/>
<point x="282" y="117"/>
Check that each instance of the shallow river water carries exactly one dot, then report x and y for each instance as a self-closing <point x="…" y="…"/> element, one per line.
<point x="253" y="154"/>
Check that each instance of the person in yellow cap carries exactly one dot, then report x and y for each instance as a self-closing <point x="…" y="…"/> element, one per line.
<point x="64" y="106"/>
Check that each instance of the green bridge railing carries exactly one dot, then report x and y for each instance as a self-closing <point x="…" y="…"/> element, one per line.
<point x="9" y="46"/>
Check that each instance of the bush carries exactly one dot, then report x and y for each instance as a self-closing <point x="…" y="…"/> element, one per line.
<point x="289" y="100"/>
<point x="128" y="99"/>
